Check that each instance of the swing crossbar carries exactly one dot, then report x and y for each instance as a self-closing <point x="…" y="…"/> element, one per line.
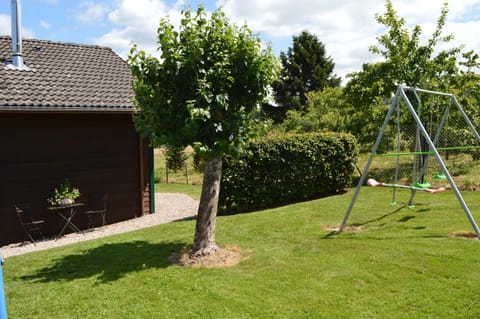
<point x="418" y="90"/>
<point x="400" y="154"/>
<point x="452" y="148"/>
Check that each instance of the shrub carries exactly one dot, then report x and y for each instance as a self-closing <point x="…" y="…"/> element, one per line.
<point x="287" y="168"/>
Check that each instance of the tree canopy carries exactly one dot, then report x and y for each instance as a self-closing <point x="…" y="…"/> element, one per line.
<point x="305" y="68"/>
<point x="210" y="76"/>
<point x="406" y="60"/>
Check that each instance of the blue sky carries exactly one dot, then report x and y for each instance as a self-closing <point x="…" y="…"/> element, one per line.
<point x="73" y="21"/>
<point x="346" y="27"/>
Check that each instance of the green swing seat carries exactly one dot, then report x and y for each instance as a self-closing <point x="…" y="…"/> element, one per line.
<point x="423" y="185"/>
<point x="440" y="176"/>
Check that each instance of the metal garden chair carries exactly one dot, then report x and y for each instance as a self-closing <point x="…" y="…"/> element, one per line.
<point x="97" y="201"/>
<point x="31" y="226"/>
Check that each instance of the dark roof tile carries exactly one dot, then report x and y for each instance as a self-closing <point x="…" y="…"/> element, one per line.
<point x="65" y="75"/>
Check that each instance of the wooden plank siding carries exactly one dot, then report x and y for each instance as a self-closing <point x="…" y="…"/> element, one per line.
<point x="96" y="152"/>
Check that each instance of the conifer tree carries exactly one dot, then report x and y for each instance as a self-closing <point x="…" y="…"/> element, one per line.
<point x="305" y="68"/>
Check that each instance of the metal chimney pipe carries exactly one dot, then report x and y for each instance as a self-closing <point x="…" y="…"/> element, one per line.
<point x="17" y="55"/>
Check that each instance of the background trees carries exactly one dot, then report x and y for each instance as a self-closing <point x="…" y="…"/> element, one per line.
<point x="326" y="111"/>
<point x="405" y="61"/>
<point x="201" y="92"/>
<point x="360" y="106"/>
<point x="305" y="68"/>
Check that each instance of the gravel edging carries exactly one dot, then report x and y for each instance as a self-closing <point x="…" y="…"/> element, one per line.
<point x="168" y="207"/>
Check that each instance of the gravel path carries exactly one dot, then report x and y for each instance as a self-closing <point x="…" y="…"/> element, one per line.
<point x="168" y="207"/>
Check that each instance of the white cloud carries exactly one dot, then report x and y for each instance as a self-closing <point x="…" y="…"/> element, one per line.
<point x="286" y="18"/>
<point x="466" y="34"/>
<point x="91" y="11"/>
<point x="5" y="24"/>
<point x="137" y="22"/>
<point x="346" y="27"/>
<point x="6" y="27"/>
<point x="45" y="25"/>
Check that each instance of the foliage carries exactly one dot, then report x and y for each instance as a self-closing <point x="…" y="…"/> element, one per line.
<point x="287" y="168"/>
<point x="401" y="264"/>
<point x="326" y="112"/>
<point x="305" y="68"/>
<point x="210" y="77"/>
<point x="405" y="61"/>
<point x="64" y="191"/>
<point x="409" y="62"/>
<point x="465" y="85"/>
<point x="330" y="111"/>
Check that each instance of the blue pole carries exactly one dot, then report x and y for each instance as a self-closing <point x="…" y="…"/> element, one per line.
<point x="3" y="305"/>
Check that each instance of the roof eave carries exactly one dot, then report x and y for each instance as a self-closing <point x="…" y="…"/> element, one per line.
<point x="89" y="109"/>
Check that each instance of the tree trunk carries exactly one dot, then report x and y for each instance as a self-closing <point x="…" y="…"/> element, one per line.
<point x="204" y="241"/>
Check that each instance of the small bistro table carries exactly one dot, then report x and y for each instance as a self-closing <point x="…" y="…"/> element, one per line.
<point x="67" y="212"/>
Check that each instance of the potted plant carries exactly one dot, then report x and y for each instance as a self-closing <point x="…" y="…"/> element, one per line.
<point x="65" y="194"/>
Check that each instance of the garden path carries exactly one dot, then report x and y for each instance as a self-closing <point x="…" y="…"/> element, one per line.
<point x="168" y="207"/>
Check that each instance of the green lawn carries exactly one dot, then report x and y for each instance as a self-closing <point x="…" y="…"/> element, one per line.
<point x="402" y="264"/>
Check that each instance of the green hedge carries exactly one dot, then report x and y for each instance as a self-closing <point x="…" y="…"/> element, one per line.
<point x="288" y="168"/>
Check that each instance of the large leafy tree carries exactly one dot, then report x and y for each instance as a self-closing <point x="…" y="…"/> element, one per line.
<point x="210" y="77"/>
<point x="466" y="85"/>
<point x="305" y="68"/>
<point x="406" y="60"/>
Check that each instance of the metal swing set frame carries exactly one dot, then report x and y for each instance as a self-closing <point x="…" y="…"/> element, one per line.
<point x="401" y="95"/>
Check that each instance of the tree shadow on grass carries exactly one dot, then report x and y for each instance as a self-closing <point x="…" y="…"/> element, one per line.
<point x="405" y="219"/>
<point x="395" y="211"/>
<point x="108" y="262"/>
<point x="381" y="218"/>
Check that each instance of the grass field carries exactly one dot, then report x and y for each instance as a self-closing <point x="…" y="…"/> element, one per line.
<point x="177" y="181"/>
<point x="188" y="174"/>
<point x="401" y="264"/>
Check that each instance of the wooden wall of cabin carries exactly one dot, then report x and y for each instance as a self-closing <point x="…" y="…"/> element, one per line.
<point x="95" y="152"/>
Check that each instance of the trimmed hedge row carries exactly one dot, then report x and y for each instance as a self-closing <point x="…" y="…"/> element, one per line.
<point x="288" y="168"/>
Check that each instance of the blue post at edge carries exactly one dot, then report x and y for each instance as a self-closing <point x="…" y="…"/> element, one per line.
<point x="3" y="305"/>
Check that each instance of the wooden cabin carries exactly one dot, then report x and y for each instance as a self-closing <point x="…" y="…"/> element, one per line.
<point x="66" y="113"/>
